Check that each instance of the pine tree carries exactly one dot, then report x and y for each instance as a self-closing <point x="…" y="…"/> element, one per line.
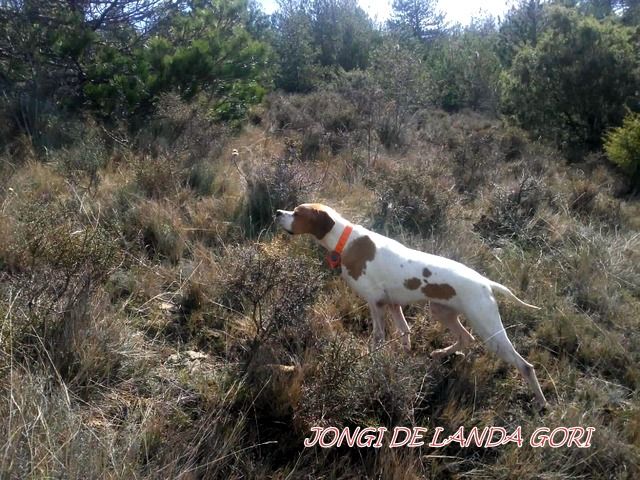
<point x="294" y="48"/>
<point x="342" y="32"/>
<point x="417" y="19"/>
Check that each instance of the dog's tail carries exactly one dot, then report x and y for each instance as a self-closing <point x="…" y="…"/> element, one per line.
<point x="496" y="287"/>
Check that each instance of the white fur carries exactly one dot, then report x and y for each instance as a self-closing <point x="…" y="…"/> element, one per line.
<point x="382" y="284"/>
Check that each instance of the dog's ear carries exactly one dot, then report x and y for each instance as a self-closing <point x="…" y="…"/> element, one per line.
<point x="313" y="220"/>
<point x="322" y="224"/>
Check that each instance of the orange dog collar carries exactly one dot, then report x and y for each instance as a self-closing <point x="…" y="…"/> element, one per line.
<point x="334" y="258"/>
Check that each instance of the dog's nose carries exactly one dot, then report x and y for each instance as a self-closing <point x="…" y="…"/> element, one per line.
<point x="278" y="213"/>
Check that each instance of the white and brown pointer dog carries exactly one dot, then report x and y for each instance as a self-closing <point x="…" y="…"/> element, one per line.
<point x="389" y="275"/>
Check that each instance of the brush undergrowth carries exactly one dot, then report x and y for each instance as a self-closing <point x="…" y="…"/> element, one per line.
<point x="154" y="324"/>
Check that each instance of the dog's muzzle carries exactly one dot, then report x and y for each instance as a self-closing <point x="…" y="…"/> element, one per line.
<point x="284" y="220"/>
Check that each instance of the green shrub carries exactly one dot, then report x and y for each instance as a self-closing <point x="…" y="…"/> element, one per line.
<point x="573" y="83"/>
<point x="391" y="133"/>
<point x="623" y="148"/>
<point x="410" y="199"/>
<point x="475" y="155"/>
<point x="513" y="143"/>
<point x="326" y="119"/>
<point x="311" y="143"/>
<point x="185" y="130"/>
<point x="288" y="112"/>
<point x="347" y="386"/>
<point x="43" y="122"/>
<point x="464" y="71"/>
<point x="87" y="154"/>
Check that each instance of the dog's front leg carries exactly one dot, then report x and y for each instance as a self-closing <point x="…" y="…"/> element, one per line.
<point x="377" y="316"/>
<point x="401" y="325"/>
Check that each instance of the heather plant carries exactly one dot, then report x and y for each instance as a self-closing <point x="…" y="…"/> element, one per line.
<point x="60" y="262"/>
<point x="273" y="292"/>
<point x="280" y="185"/>
<point x="411" y="199"/>
<point x="512" y="215"/>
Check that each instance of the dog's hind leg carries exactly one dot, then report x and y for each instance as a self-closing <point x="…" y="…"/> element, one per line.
<point x="401" y="325"/>
<point x="486" y="321"/>
<point x="449" y="318"/>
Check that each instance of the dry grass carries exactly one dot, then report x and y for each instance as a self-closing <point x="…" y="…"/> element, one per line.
<point x="206" y="344"/>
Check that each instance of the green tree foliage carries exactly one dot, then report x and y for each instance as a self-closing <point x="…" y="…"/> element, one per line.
<point x="416" y="19"/>
<point x="599" y="8"/>
<point x="319" y="33"/>
<point x="116" y="57"/>
<point x="400" y="73"/>
<point x="342" y="32"/>
<point x="402" y="76"/>
<point x="464" y="69"/>
<point x="631" y="12"/>
<point x="42" y="48"/>
<point x="623" y="148"/>
<point x="296" y="53"/>
<point x="627" y="10"/>
<point x="573" y="84"/>
<point x="207" y="48"/>
<point x="522" y="26"/>
<point x="258" y="23"/>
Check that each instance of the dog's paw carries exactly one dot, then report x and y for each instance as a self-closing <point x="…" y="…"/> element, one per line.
<point x="542" y="407"/>
<point x="438" y="354"/>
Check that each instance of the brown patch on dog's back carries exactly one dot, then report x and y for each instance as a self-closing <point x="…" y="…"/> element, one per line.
<point x="355" y="258"/>
<point x="312" y="218"/>
<point x="440" y="291"/>
<point x="412" y="283"/>
<point x="426" y="272"/>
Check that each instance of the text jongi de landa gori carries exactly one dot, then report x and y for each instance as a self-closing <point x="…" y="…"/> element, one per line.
<point x="485" y="437"/>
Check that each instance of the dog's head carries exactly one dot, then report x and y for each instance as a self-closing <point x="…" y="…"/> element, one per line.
<point x="312" y="218"/>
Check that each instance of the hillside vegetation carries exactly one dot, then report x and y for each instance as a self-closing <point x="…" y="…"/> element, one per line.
<point x="154" y="322"/>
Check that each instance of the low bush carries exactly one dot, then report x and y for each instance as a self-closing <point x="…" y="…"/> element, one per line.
<point x="513" y="143"/>
<point x="288" y="113"/>
<point x="157" y="177"/>
<point x="599" y="272"/>
<point x="391" y="132"/>
<point x="325" y="120"/>
<point x="59" y="263"/>
<point x="414" y="199"/>
<point x="158" y="229"/>
<point x="202" y="176"/>
<point x="512" y="215"/>
<point x="41" y="121"/>
<point x="273" y="292"/>
<point x="279" y="185"/>
<point x="88" y="154"/>
<point x="474" y="157"/>
<point x="183" y="130"/>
